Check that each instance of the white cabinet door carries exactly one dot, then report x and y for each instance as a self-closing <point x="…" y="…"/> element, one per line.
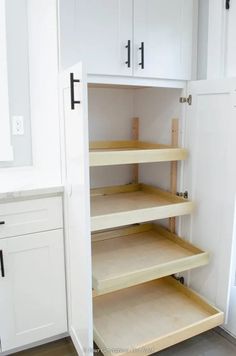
<point x="164" y="29"/>
<point x="77" y="209"/>
<point x="104" y="28"/>
<point x="210" y="173"/>
<point x="32" y="288"/>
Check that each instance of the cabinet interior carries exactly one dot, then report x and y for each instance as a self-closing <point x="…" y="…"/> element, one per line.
<point x="110" y="113"/>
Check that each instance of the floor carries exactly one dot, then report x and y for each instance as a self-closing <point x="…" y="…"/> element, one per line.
<point x="210" y="343"/>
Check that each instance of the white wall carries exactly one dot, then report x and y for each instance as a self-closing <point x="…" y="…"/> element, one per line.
<point x="18" y="78"/>
<point x="156" y="108"/>
<point x="110" y="113"/>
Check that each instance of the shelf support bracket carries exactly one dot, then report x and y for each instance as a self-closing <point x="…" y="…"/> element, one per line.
<point x="135" y="137"/>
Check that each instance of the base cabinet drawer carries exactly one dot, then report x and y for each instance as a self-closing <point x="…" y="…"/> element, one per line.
<point x="25" y="217"/>
<point x="32" y="289"/>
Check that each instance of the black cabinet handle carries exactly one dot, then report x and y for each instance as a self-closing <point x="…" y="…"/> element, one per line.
<point x="128" y="46"/>
<point x="227" y="4"/>
<point x="2" y="264"/>
<point x="72" y="91"/>
<point x="2" y="222"/>
<point x="142" y="55"/>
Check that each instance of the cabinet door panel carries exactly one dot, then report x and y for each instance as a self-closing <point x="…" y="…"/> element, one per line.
<point x="33" y="302"/>
<point x="77" y="211"/>
<point x="210" y="173"/>
<point x="165" y="27"/>
<point x="103" y="29"/>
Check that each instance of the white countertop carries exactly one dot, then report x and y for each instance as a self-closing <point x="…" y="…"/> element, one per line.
<point x="29" y="191"/>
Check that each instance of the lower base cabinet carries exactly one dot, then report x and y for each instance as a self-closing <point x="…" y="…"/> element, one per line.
<point x="32" y="288"/>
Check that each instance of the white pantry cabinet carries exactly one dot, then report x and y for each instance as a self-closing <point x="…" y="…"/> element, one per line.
<point x="32" y="288"/>
<point x="135" y="38"/>
<point x="210" y="144"/>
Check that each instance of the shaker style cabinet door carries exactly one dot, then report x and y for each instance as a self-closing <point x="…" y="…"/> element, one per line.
<point x="32" y="288"/>
<point x="211" y="174"/>
<point x="77" y="207"/>
<point x="104" y="36"/>
<point x="163" y="38"/>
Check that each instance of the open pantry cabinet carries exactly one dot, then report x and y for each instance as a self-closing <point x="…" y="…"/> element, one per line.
<point x="140" y="234"/>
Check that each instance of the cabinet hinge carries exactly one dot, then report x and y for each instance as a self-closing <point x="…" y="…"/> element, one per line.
<point x="184" y="100"/>
<point x="183" y="194"/>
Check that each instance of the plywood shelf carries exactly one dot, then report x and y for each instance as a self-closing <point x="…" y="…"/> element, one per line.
<point x="133" y="203"/>
<point x="133" y="255"/>
<point x="150" y="317"/>
<point x="106" y="153"/>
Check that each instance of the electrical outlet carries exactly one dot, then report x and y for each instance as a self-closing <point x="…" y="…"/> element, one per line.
<point x="18" y="125"/>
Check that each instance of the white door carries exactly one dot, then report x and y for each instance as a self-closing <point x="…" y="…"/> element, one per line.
<point x="77" y="209"/>
<point x="163" y="38"/>
<point x="104" y="36"/>
<point x="210" y="176"/>
<point x="32" y="288"/>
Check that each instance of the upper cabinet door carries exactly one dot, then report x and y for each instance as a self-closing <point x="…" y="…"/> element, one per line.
<point x="77" y="211"/>
<point x="163" y="38"/>
<point x="104" y="37"/>
<point x="210" y="176"/>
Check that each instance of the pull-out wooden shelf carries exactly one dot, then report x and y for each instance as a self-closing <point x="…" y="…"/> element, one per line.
<point x="133" y="255"/>
<point x="150" y="317"/>
<point x="133" y="203"/>
<point x="107" y="153"/>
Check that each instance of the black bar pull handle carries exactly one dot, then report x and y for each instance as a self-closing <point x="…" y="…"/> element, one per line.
<point x="2" y="222"/>
<point x="227" y="4"/>
<point x="142" y="55"/>
<point x="128" y="46"/>
<point x="2" y="264"/>
<point x="72" y="91"/>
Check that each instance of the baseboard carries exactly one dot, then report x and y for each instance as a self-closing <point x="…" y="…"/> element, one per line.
<point x="226" y="334"/>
